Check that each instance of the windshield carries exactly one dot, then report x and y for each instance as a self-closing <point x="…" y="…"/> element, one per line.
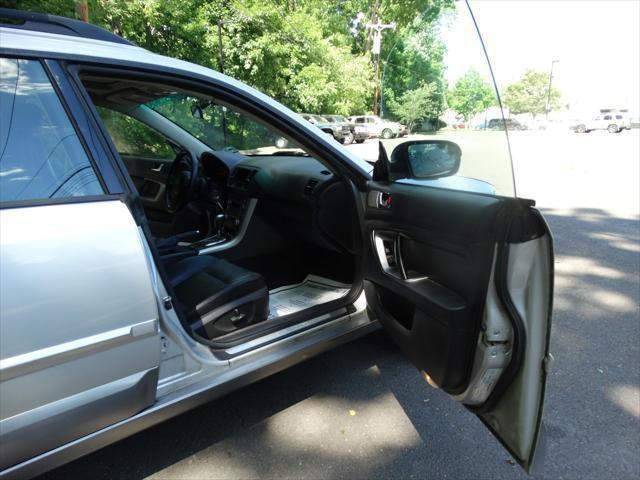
<point x="220" y="127"/>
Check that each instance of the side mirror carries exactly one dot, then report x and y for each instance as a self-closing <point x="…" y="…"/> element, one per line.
<point x="381" y="167"/>
<point x="426" y="159"/>
<point x="196" y="112"/>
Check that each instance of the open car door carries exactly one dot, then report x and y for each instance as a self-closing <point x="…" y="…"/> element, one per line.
<point x="463" y="283"/>
<point x="457" y="268"/>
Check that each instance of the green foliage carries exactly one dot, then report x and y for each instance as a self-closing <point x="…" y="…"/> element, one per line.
<point x="416" y="59"/>
<point x="471" y="95"/>
<point x="529" y="94"/>
<point x="303" y="53"/>
<point x="418" y="104"/>
<point x="132" y="137"/>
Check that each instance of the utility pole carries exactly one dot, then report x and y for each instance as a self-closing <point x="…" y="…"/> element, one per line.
<point x="548" y="108"/>
<point x="220" y="52"/>
<point x="378" y="27"/>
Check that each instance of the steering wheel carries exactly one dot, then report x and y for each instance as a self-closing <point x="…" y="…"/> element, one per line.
<point x="181" y="182"/>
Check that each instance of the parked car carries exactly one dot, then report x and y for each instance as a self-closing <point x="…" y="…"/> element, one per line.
<point x="505" y="124"/>
<point x="338" y="130"/>
<point x="613" y="122"/>
<point x="378" y="127"/>
<point x="158" y="251"/>
<point x="358" y="133"/>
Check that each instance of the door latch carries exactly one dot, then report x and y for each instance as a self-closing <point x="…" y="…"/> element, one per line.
<point x="167" y="303"/>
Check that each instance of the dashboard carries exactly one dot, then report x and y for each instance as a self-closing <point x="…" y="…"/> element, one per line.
<point x="296" y="195"/>
<point x="214" y="169"/>
<point x="292" y="178"/>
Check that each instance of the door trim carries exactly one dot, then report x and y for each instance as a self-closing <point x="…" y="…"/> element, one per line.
<point x="64" y="352"/>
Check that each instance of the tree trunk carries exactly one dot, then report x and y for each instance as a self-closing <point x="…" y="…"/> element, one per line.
<point x="82" y="10"/>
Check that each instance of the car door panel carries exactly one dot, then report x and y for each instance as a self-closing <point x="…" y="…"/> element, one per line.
<point x="79" y="337"/>
<point x="463" y="284"/>
<point x="149" y="175"/>
<point x="445" y="241"/>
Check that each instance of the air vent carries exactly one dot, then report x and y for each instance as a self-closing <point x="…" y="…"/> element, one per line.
<point x="242" y="176"/>
<point x="310" y="186"/>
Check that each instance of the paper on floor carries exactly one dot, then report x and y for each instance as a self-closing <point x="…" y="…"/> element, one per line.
<point x="312" y="291"/>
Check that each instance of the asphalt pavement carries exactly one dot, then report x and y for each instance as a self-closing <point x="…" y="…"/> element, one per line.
<point x="362" y="411"/>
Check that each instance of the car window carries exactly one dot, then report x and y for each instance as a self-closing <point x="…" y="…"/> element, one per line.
<point x="607" y="117"/>
<point x="450" y="94"/>
<point x="40" y="154"/>
<point x="133" y="138"/>
<point x="221" y="127"/>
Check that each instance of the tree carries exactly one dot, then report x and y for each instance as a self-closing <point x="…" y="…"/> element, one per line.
<point x="418" y="104"/>
<point x="303" y="53"/>
<point x="471" y="95"/>
<point x="529" y="94"/>
<point x="416" y="59"/>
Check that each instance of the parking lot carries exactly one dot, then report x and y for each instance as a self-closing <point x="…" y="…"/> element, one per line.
<point x="362" y="411"/>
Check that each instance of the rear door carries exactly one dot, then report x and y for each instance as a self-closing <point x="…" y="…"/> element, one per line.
<point x="79" y="333"/>
<point x="458" y="269"/>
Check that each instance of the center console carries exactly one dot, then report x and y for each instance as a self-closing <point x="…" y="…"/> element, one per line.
<point x="231" y="226"/>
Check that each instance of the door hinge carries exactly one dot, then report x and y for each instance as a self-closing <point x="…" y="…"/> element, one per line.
<point x="547" y="363"/>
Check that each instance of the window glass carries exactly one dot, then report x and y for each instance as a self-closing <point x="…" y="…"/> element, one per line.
<point x="436" y="81"/>
<point x="220" y="127"/>
<point x="133" y="138"/>
<point x="40" y="154"/>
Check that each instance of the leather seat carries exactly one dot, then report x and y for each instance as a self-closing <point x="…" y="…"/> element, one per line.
<point x="218" y="297"/>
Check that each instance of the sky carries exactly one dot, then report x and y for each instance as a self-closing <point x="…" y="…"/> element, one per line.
<point x="597" y="43"/>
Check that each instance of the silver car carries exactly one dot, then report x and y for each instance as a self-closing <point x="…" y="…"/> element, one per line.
<point x="378" y="126"/>
<point x="158" y="251"/>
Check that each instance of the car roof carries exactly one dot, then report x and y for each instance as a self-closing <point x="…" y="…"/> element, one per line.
<point x="42" y="22"/>
<point x="46" y="44"/>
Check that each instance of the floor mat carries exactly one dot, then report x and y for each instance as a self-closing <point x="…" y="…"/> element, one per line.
<point x="312" y="291"/>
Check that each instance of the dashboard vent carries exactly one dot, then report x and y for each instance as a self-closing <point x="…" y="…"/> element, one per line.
<point x="310" y="186"/>
<point x="242" y="176"/>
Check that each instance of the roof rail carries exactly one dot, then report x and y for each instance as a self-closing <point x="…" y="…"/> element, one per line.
<point x="41" y="22"/>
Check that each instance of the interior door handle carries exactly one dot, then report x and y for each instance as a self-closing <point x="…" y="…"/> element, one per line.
<point x="158" y="169"/>
<point x="388" y="250"/>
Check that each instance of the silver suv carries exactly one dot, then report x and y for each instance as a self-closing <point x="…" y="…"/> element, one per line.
<point x="379" y="127"/>
<point x="158" y="250"/>
<point x="612" y="121"/>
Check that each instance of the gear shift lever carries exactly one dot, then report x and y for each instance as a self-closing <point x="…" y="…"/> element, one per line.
<point x="218" y="223"/>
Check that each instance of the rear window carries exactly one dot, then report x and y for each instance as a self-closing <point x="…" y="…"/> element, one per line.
<point x="40" y="153"/>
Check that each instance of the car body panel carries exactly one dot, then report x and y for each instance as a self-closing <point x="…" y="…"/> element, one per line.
<point x="93" y="252"/>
